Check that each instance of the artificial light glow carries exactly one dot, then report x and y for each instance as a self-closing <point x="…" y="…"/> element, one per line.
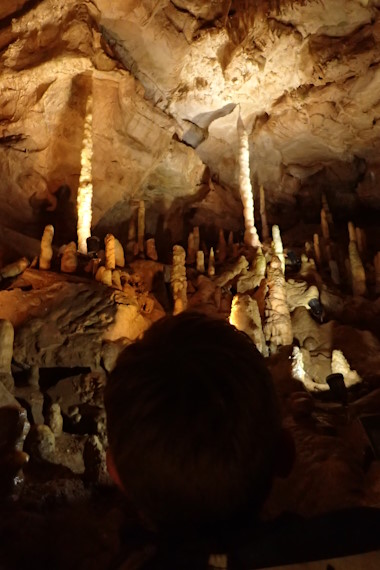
<point x="250" y="236"/>
<point x="84" y="199"/>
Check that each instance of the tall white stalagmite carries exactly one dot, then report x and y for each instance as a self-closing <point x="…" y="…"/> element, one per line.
<point x="246" y="193"/>
<point x="263" y="213"/>
<point x="84" y="198"/>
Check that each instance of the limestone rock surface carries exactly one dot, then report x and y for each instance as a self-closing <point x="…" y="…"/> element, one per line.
<point x="168" y="81"/>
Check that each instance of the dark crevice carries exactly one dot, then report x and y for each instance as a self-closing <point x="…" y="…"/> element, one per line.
<point x="30" y="4"/>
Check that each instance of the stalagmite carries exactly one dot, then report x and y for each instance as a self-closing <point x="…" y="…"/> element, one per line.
<point x="197" y="239"/>
<point x="277" y="247"/>
<point x="278" y="326"/>
<point x="246" y="192"/>
<point x="230" y="243"/>
<point x="6" y="353"/>
<point x="151" y="251"/>
<point x="299" y="373"/>
<point x="222" y="247"/>
<point x="104" y="276"/>
<point x="358" y="277"/>
<point x="191" y="251"/>
<point x="200" y="261"/>
<point x="235" y="249"/>
<point x="308" y="267"/>
<point x="131" y="240"/>
<point x="308" y="249"/>
<point x="69" y="260"/>
<point x="324" y="225"/>
<point x="211" y="263"/>
<point x="299" y="294"/>
<point x="116" y="279"/>
<point x="15" y="268"/>
<point x="326" y="208"/>
<point x="54" y="418"/>
<point x="109" y="242"/>
<point x="241" y="265"/>
<point x="251" y="279"/>
<point x="376" y="263"/>
<point x="317" y="250"/>
<point x="351" y="231"/>
<point x="178" y="280"/>
<point x="260" y="264"/>
<point x="46" y="253"/>
<point x="141" y="226"/>
<point x="84" y="198"/>
<point x="334" y="271"/>
<point x="263" y="214"/>
<point x="245" y="316"/>
<point x="340" y="365"/>
<point x="119" y="253"/>
<point x="361" y="241"/>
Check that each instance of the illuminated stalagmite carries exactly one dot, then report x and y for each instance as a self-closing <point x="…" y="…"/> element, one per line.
<point x="299" y="372"/>
<point x="245" y="316"/>
<point x="263" y="214"/>
<point x="200" y="261"/>
<point x="277" y="246"/>
<point x="340" y="365"/>
<point x="178" y="279"/>
<point x="211" y="263"/>
<point x="84" y="199"/>
<point x="15" y="268"/>
<point x="109" y="241"/>
<point x="46" y="253"/>
<point x="278" y="326"/>
<point x="246" y="192"/>
<point x="69" y="261"/>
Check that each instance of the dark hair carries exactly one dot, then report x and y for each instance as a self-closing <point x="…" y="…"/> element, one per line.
<point x="193" y="423"/>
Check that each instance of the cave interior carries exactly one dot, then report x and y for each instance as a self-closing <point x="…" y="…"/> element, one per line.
<point x="171" y="155"/>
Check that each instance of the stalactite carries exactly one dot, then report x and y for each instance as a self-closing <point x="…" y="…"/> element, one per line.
<point x="246" y="193"/>
<point x="84" y="198"/>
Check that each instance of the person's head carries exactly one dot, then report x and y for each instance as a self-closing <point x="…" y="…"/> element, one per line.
<point x="193" y="423"/>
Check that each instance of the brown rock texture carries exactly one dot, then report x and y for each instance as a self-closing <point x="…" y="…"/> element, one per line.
<point x="168" y="80"/>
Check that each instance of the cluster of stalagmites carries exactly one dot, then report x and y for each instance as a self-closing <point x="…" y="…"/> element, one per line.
<point x="243" y="281"/>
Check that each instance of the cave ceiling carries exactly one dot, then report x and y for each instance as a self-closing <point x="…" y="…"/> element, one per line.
<point x="168" y="80"/>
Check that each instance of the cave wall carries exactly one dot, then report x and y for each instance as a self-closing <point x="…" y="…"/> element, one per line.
<point x="169" y="79"/>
